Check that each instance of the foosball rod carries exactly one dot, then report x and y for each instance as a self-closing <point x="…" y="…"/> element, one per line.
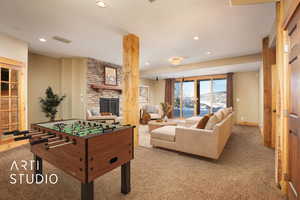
<point x="57" y="141"/>
<point x="32" y="136"/>
<point x="59" y="145"/>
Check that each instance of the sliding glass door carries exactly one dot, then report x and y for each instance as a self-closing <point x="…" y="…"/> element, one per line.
<point x="188" y="96"/>
<point x="205" y="97"/>
<point x="213" y="95"/>
<point x="200" y="97"/>
<point x="177" y="100"/>
<point x="219" y="94"/>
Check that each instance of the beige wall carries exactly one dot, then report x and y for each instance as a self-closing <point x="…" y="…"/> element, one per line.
<point x="157" y="90"/>
<point x="43" y="72"/>
<point x="73" y="85"/>
<point x="17" y="50"/>
<point x="66" y="77"/>
<point x="151" y="84"/>
<point x="246" y="97"/>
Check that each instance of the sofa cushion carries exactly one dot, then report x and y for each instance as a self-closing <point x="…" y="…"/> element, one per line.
<point x="213" y="120"/>
<point x="154" y="116"/>
<point x="203" y="121"/>
<point x="194" y="119"/>
<point x="166" y="133"/>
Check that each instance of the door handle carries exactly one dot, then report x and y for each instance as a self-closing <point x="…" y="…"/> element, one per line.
<point x="293" y="60"/>
<point x="293" y="189"/>
<point x="295" y="133"/>
<point x="274" y="111"/>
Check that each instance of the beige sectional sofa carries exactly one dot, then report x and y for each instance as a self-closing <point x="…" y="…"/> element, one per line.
<point x="202" y="142"/>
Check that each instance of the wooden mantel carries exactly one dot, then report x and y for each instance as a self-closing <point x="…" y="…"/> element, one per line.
<point x="106" y="87"/>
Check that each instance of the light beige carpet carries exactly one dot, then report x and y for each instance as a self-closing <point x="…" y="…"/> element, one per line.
<point x="244" y="172"/>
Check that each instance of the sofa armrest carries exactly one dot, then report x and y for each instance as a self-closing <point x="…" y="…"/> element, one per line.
<point x="197" y="141"/>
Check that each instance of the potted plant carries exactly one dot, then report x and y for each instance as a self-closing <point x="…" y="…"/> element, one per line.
<point x="167" y="109"/>
<point x="50" y="103"/>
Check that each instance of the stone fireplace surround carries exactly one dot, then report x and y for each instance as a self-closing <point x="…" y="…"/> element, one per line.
<point x="95" y="75"/>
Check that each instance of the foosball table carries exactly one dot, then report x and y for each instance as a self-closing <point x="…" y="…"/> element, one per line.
<point x="83" y="149"/>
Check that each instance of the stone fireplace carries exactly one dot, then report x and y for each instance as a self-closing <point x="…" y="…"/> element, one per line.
<point x="95" y="75"/>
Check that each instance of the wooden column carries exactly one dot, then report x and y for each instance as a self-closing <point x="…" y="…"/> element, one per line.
<point x="130" y="82"/>
<point x="282" y="107"/>
<point x="269" y="58"/>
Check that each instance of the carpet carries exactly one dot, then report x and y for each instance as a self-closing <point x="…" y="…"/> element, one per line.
<point x="245" y="171"/>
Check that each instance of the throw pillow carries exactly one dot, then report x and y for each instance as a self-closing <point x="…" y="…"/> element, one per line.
<point x="225" y="112"/>
<point x="213" y="120"/>
<point x="219" y="115"/>
<point x="203" y="121"/>
<point x="230" y="110"/>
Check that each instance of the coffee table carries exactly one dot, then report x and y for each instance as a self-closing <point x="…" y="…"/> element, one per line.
<point x="154" y="124"/>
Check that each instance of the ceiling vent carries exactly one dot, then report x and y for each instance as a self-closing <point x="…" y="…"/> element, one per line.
<point x="63" y="40"/>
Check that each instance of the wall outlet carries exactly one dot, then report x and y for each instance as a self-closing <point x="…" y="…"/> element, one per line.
<point x="242" y="118"/>
<point x="237" y="100"/>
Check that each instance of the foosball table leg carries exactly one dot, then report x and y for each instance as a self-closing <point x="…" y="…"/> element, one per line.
<point x="87" y="191"/>
<point x="38" y="168"/>
<point x="125" y="178"/>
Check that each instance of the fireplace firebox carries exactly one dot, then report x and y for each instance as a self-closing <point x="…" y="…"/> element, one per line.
<point x="110" y="105"/>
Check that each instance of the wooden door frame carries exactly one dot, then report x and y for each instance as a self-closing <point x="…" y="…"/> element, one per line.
<point x="20" y="66"/>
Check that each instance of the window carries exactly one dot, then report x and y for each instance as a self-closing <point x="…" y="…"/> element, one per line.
<point x="9" y="100"/>
<point x="213" y="95"/>
<point x="200" y="97"/>
<point x="177" y="100"/>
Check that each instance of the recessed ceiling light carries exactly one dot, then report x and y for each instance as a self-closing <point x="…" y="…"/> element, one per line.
<point x="176" y="60"/>
<point x="147" y="63"/>
<point x="196" y="38"/>
<point x="208" y="53"/>
<point x="101" y="4"/>
<point x="43" y="40"/>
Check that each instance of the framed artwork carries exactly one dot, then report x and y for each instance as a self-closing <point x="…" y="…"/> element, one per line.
<point x="144" y="94"/>
<point x="110" y="76"/>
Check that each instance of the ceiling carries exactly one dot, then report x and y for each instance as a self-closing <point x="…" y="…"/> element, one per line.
<point x="166" y="28"/>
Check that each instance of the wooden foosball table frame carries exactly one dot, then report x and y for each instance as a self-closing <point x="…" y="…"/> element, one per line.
<point x="86" y="158"/>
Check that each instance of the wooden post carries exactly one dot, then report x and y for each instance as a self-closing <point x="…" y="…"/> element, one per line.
<point x="130" y="82"/>
<point x="267" y="69"/>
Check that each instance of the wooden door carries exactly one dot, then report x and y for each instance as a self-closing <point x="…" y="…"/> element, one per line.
<point x="9" y="100"/>
<point x="294" y="111"/>
<point x="275" y="81"/>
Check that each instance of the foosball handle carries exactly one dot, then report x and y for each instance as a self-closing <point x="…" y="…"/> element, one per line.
<point x="21" y="133"/>
<point x="39" y="141"/>
<point x="11" y="132"/>
<point x="22" y="138"/>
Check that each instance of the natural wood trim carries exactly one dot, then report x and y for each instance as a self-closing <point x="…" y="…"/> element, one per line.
<point x="253" y="124"/>
<point x="249" y="2"/>
<point x="205" y="77"/>
<point x="290" y="14"/>
<point x="11" y="62"/>
<point x="106" y="87"/>
<point x="268" y="60"/>
<point x="20" y="67"/>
